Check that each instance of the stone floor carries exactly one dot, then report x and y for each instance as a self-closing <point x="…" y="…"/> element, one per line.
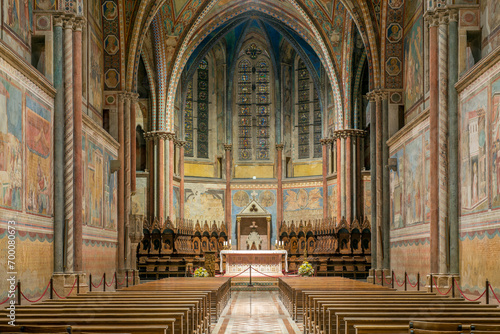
<point x="255" y="312"/>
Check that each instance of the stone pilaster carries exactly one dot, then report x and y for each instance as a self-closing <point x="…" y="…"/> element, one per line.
<point x="228" y="149"/>
<point x="77" y="144"/>
<point x="59" y="126"/>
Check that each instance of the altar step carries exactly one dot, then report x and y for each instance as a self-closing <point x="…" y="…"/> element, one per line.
<point x="259" y="284"/>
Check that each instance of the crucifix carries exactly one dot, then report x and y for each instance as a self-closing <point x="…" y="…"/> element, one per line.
<point x="253" y="226"/>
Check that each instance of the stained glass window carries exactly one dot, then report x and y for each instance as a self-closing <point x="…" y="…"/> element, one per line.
<point x="308" y="116"/>
<point x="188" y="121"/>
<point x="253" y="101"/>
<point x="196" y="107"/>
<point x="203" y="109"/>
<point x="304" y="112"/>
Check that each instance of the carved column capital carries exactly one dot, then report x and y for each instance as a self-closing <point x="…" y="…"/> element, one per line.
<point x="431" y="18"/>
<point x="68" y="21"/>
<point x="58" y="20"/>
<point x="280" y="147"/>
<point x="78" y="23"/>
<point x="180" y="143"/>
<point x="228" y="147"/>
<point x="171" y="136"/>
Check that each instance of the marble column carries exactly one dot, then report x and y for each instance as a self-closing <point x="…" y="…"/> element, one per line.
<point x="181" y="175"/>
<point x="434" y="142"/>
<point x="161" y="138"/>
<point x="324" y="145"/>
<point x="453" y="177"/>
<point x="133" y="148"/>
<point x="228" y="148"/>
<point x="171" y="150"/>
<point x="127" y="178"/>
<point x="151" y="177"/>
<point x="443" y="141"/>
<point x="360" y="212"/>
<point x="121" y="185"/>
<point x="68" y="141"/>
<point x="378" y="180"/>
<point x="77" y="145"/>
<point x="58" y="146"/>
<point x="348" y="178"/>
<point x="343" y="174"/>
<point x="373" y="176"/>
<point x="339" y="179"/>
<point x="279" y="194"/>
<point x="385" y="224"/>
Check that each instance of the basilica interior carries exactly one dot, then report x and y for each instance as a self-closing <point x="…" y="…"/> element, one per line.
<point x="138" y="136"/>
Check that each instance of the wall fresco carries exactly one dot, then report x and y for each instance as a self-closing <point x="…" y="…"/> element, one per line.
<point x="17" y="17"/>
<point x="473" y="155"/>
<point x="305" y="203"/>
<point x="39" y="171"/>
<point x="11" y="145"/>
<point x="94" y="188"/>
<point x="202" y="203"/>
<point x="396" y="179"/>
<point x="414" y="64"/>
<point x="96" y="84"/>
<point x="110" y="193"/>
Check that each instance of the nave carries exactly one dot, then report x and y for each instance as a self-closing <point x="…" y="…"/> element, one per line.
<point x="256" y="312"/>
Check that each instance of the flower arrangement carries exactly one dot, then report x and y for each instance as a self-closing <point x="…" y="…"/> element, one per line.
<point x="200" y="272"/>
<point x="306" y="270"/>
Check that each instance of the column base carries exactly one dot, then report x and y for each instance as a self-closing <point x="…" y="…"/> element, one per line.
<point x="375" y="276"/>
<point x="442" y="281"/>
<point x="66" y="284"/>
<point x="121" y="276"/>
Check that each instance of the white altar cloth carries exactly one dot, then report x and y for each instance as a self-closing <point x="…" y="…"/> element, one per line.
<point x="256" y="258"/>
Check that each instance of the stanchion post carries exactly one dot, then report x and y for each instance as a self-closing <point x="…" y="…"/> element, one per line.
<point x="406" y="279"/>
<point x="18" y="292"/>
<point x="418" y="281"/>
<point x="77" y="284"/>
<point x="487" y="292"/>
<point x="250" y="285"/>
<point x="51" y="289"/>
<point x="392" y="280"/>
<point x="453" y="287"/>
<point x="431" y="284"/>
<point x="133" y="276"/>
<point x="126" y="277"/>
<point x="381" y="277"/>
<point x="104" y="282"/>
<point x="90" y="282"/>
<point x="116" y="282"/>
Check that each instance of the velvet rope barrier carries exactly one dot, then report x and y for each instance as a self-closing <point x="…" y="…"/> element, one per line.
<point x="112" y="281"/>
<point x="34" y="301"/>
<point x="437" y="288"/>
<point x="396" y="281"/>
<point x="8" y="296"/>
<point x="494" y="294"/>
<point x="265" y="274"/>
<point x="100" y="283"/>
<point x="237" y="274"/>
<point x="463" y="295"/>
<point x="388" y="283"/>
<point x="54" y="290"/>
<point x="409" y="282"/>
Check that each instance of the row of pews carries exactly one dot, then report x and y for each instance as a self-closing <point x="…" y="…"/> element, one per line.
<point x="328" y="305"/>
<point x="172" y="305"/>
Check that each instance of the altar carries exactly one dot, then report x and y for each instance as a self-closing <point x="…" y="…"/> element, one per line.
<point x="268" y="262"/>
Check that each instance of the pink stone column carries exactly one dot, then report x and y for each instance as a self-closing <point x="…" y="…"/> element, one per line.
<point x="68" y="143"/>
<point x="434" y="142"/>
<point x="121" y="185"/>
<point x="181" y="174"/>
<point x="348" y="178"/>
<point x="359" y="179"/>
<point x="378" y="181"/>
<point x="228" y="148"/>
<point x="171" y="150"/>
<point x="77" y="144"/>
<point x="279" y="176"/>
<point x="161" y="177"/>
<point x="151" y="176"/>
<point x="324" y="146"/>
<point x="339" y="180"/>
<point x="133" y="147"/>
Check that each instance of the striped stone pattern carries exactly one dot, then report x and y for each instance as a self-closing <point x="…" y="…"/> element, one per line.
<point x="68" y="141"/>
<point x="127" y="166"/>
<point x="443" y="142"/>
<point x="379" y="170"/>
